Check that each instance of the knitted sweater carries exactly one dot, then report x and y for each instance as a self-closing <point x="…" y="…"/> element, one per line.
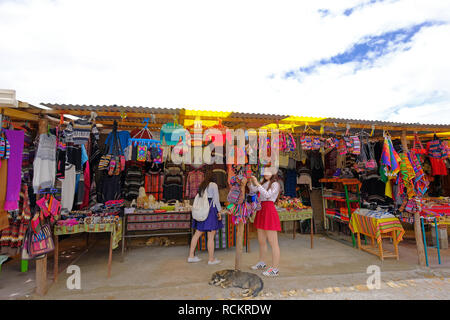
<point x="44" y="166"/>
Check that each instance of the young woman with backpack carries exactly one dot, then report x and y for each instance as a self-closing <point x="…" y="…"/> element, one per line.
<point x="267" y="221"/>
<point x="212" y="223"/>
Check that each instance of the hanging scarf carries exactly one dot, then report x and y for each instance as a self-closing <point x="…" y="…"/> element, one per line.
<point x="390" y="158"/>
<point x="16" y="140"/>
<point x="407" y="175"/>
<point x="421" y="182"/>
<point x="4" y="222"/>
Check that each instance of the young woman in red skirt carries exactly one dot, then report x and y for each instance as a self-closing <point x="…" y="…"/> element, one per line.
<point x="267" y="221"/>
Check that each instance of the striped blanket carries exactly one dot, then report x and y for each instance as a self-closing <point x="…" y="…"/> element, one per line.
<point x="376" y="227"/>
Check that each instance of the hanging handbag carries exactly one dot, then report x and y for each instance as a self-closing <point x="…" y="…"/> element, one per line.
<point x="38" y="243"/>
<point x="417" y="146"/>
<point x="371" y="162"/>
<point x="235" y="195"/>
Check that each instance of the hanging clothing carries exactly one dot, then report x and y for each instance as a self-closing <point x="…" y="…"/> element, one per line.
<point x="193" y="181"/>
<point x="290" y="184"/>
<point x="221" y="178"/>
<point x="81" y="131"/>
<point x="11" y="238"/>
<point x="134" y="179"/>
<point x="316" y="169"/>
<point x="110" y="189"/>
<point x="154" y="185"/>
<point x="16" y="141"/>
<point x="434" y="151"/>
<point x="305" y="178"/>
<point x="68" y="190"/>
<point x="87" y="186"/>
<point x="4" y="222"/>
<point x="373" y="188"/>
<point x="44" y="166"/>
<point x="28" y="157"/>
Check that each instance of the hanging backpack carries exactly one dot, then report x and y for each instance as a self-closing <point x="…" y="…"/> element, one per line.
<point x="201" y="206"/>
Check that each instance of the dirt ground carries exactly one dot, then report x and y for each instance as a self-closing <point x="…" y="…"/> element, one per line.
<point x="329" y="271"/>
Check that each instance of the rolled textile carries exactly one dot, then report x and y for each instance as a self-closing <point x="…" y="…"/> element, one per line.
<point x="16" y="142"/>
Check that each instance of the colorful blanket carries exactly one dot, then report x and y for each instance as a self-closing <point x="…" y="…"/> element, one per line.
<point x="115" y="228"/>
<point x="376" y="227"/>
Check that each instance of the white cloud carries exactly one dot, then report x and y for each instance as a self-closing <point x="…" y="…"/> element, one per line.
<point x="219" y="55"/>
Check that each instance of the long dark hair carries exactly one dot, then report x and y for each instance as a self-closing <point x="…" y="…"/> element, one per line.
<point x="209" y="177"/>
<point x="273" y="178"/>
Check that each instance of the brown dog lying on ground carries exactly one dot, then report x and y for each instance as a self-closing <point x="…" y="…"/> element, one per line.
<point x="235" y="278"/>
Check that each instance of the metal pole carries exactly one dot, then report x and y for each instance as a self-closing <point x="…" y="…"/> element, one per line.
<point x="424" y="240"/>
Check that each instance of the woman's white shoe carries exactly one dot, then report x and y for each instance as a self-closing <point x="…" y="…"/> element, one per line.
<point x="259" y="266"/>
<point x="215" y="261"/>
<point x="194" y="259"/>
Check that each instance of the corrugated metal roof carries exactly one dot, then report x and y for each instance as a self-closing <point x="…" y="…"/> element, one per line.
<point x="112" y="108"/>
<point x="384" y="123"/>
<point x="267" y="118"/>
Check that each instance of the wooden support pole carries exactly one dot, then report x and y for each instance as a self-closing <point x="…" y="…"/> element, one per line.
<point x="417" y="228"/>
<point x="41" y="276"/>
<point x="41" y="264"/>
<point x="239" y="245"/>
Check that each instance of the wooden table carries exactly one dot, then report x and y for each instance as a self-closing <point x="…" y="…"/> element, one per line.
<point x="115" y="229"/>
<point x="155" y="224"/>
<point x="296" y="217"/>
<point x="377" y="229"/>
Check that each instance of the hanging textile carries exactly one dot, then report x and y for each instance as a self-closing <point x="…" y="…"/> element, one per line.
<point x="11" y="238"/>
<point x="16" y="141"/>
<point x="44" y="166"/>
<point x="421" y="182"/>
<point x="407" y="175"/>
<point x="4" y="222"/>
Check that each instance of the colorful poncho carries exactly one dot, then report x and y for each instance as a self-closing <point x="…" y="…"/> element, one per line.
<point x="407" y="175"/>
<point x="421" y="182"/>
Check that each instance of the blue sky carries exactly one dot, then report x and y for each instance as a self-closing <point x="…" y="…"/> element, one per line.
<point x="365" y="59"/>
<point x="369" y="49"/>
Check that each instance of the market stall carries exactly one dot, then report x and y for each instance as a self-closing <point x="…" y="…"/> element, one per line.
<point x="116" y="169"/>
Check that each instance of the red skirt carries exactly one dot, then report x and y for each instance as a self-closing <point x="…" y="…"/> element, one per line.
<point x="267" y="218"/>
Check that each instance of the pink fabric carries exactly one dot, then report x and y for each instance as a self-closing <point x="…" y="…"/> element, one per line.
<point x="87" y="186"/>
<point x="16" y="142"/>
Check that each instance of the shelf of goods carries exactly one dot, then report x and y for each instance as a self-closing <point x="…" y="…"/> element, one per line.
<point x="155" y="222"/>
<point x="345" y="198"/>
<point x="292" y="209"/>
